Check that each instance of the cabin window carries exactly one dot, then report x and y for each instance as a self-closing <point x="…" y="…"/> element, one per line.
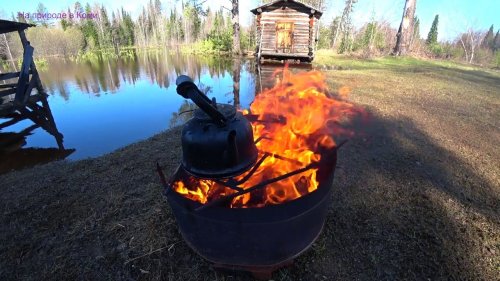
<point x="284" y="37"/>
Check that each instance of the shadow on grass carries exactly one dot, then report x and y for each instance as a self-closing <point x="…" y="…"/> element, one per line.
<point x="472" y="75"/>
<point x="402" y="210"/>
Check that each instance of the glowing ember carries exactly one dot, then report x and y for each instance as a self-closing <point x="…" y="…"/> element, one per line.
<point x="296" y="117"/>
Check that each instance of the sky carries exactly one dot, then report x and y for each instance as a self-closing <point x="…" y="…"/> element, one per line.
<point x="454" y="15"/>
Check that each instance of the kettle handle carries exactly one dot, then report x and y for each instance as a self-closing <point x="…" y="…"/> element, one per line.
<point x="187" y="89"/>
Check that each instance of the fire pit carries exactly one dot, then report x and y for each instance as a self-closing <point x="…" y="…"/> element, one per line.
<point x="254" y="187"/>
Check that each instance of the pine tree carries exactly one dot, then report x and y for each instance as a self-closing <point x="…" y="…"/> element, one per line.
<point x="106" y="36"/>
<point x="41" y="9"/>
<point x="433" y="33"/>
<point x="489" y="40"/>
<point x="115" y="31"/>
<point x="89" y="30"/>
<point x="496" y="42"/>
<point x="127" y="26"/>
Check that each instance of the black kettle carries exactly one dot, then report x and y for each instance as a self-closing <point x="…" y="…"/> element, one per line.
<point x="218" y="141"/>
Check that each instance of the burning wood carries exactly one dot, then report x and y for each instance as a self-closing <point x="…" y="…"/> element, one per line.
<point x="294" y="125"/>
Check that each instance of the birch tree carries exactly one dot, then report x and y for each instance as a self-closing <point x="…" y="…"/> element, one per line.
<point x="470" y="41"/>
<point x="235" y="20"/>
<point x="345" y="22"/>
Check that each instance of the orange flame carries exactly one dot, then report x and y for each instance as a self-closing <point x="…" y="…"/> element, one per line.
<point x="296" y="117"/>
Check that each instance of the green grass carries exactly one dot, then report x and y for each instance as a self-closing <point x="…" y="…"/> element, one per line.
<point x="327" y="57"/>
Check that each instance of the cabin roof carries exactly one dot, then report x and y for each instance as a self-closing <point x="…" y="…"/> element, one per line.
<point x="11" y="26"/>
<point x="279" y="3"/>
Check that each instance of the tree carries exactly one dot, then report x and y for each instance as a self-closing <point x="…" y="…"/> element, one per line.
<point x="77" y="9"/>
<point x="41" y="11"/>
<point x="334" y="28"/>
<point x="470" y="41"/>
<point x="89" y="30"/>
<point x="489" y="40"/>
<point x="191" y="23"/>
<point x="235" y="19"/>
<point x="345" y="27"/>
<point x="325" y="36"/>
<point x="5" y="49"/>
<point x="416" y="32"/>
<point x="105" y="28"/>
<point x="65" y="23"/>
<point x="433" y="33"/>
<point x="405" y="31"/>
<point x="496" y="42"/>
<point x="128" y="28"/>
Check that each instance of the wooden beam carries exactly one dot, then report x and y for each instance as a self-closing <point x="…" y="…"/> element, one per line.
<point x="311" y="35"/>
<point x="10" y="85"/>
<point x="6" y="108"/>
<point x="10" y="75"/>
<point x="30" y="87"/>
<point x="24" y="74"/>
<point x="24" y="40"/>
<point x="17" y="118"/>
<point x="7" y="92"/>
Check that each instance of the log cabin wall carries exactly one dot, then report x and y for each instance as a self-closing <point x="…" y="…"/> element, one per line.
<point x="286" y="29"/>
<point x="300" y="30"/>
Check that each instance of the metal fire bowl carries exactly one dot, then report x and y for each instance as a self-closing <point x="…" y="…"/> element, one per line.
<point x="259" y="237"/>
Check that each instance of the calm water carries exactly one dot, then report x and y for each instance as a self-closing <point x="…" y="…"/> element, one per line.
<point x="100" y="106"/>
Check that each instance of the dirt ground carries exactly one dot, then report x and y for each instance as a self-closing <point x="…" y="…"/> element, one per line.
<point x="416" y="194"/>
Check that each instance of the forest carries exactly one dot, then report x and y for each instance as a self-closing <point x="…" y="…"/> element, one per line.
<point x="190" y="26"/>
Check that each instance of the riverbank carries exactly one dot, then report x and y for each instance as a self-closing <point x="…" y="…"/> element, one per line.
<point x="416" y="195"/>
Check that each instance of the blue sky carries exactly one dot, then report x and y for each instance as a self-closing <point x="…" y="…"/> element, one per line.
<point x="454" y="15"/>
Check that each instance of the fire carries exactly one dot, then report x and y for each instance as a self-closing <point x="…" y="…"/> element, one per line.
<point x="296" y="117"/>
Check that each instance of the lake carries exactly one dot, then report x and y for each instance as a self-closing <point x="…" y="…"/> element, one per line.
<point x="103" y="105"/>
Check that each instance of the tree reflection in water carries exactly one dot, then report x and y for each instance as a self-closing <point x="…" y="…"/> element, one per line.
<point x="104" y="104"/>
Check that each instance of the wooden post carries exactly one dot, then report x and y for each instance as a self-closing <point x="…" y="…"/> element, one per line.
<point x="311" y="35"/>
<point x="21" y="98"/>
<point x="39" y="115"/>
<point x="259" y="37"/>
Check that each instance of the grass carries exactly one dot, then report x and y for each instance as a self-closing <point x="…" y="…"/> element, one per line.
<point x="327" y="57"/>
<point x="428" y="167"/>
<point x="416" y="194"/>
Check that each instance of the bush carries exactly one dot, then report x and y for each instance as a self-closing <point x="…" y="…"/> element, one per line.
<point x="496" y="60"/>
<point x="51" y="42"/>
<point x="222" y="42"/>
<point x="436" y="50"/>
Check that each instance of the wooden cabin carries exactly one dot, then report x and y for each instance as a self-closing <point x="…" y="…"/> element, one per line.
<point x="286" y="29"/>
